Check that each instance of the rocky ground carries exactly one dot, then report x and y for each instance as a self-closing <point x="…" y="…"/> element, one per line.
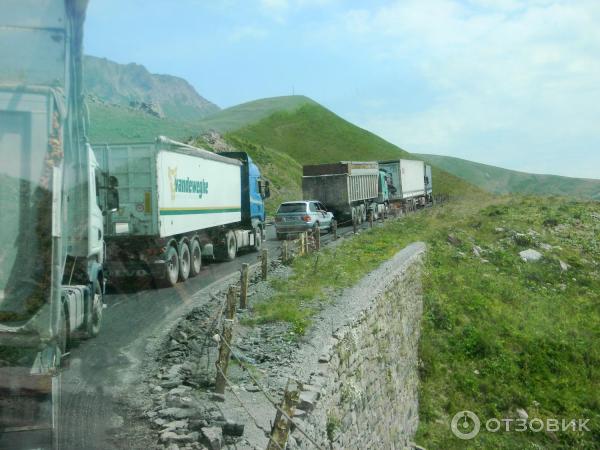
<point x="183" y="410"/>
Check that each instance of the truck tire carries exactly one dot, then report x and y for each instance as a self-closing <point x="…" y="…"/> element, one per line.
<point x="184" y="262"/>
<point x="228" y="250"/>
<point x="195" y="258"/>
<point x="257" y="239"/>
<point x="94" y="318"/>
<point x="171" y="267"/>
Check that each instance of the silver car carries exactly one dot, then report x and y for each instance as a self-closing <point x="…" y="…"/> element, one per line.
<point x="300" y="216"/>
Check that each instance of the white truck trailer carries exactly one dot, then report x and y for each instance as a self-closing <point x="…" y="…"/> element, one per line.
<point x="51" y="239"/>
<point x="178" y="205"/>
<point x="406" y="182"/>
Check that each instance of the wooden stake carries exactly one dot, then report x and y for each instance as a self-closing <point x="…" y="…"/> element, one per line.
<point x="265" y="263"/>
<point x="334" y="230"/>
<point x="317" y="234"/>
<point x="281" y="426"/>
<point x="224" y="353"/>
<point x="244" y="285"/>
<point x="306" y="243"/>
<point x="301" y="244"/>
<point x="354" y="224"/>
<point x="285" y="253"/>
<point x="231" y="302"/>
<point x="371" y="220"/>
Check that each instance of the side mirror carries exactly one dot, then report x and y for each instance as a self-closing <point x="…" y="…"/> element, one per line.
<point x="112" y="199"/>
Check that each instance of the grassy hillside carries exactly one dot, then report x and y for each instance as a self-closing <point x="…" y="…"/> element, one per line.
<point x="501" y="181"/>
<point x="312" y="134"/>
<point x="498" y="334"/>
<point x="251" y="112"/>
<point x="110" y="124"/>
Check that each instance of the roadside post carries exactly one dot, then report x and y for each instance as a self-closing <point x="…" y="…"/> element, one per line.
<point x="244" y="286"/>
<point x="281" y="426"/>
<point x="265" y="263"/>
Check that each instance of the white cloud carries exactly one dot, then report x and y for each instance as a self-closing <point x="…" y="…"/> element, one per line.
<point x="529" y="69"/>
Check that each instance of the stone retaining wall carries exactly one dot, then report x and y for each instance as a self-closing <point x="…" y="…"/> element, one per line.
<point x="362" y="392"/>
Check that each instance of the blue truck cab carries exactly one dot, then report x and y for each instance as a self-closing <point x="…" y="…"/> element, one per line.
<point x="255" y="190"/>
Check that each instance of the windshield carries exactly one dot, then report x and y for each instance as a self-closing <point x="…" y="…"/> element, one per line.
<point x="25" y="221"/>
<point x="292" y="208"/>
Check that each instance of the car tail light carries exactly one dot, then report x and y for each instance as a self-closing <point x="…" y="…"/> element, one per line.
<point x="306" y="218"/>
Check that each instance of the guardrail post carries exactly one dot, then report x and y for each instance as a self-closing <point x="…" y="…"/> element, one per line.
<point x="224" y="353"/>
<point x="244" y="285"/>
<point x="281" y="426"/>
<point x="265" y="263"/>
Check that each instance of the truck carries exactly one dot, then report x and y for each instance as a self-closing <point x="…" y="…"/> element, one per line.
<point x="351" y="189"/>
<point x="406" y="182"/>
<point x="51" y="243"/>
<point x="179" y="205"/>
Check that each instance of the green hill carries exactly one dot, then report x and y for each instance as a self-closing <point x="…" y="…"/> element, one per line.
<point x="113" y="123"/>
<point x="502" y="181"/>
<point x="251" y="112"/>
<point x="311" y="134"/>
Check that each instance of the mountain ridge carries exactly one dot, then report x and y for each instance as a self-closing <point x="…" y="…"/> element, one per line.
<point x="133" y="86"/>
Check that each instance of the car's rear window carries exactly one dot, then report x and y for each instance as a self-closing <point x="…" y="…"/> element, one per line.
<point x="292" y="208"/>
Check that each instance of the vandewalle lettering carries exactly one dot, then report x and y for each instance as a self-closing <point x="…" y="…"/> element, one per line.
<point x="186" y="185"/>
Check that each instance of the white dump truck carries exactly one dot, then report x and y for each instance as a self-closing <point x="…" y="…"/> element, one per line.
<point x="351" y="189"/>
<point x="178" y="205"/>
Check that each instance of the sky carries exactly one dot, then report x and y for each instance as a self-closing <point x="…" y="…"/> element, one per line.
<point x="510" y="83"/>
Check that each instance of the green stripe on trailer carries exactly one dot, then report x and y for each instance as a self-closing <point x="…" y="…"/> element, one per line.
<point x="183" y="211"/>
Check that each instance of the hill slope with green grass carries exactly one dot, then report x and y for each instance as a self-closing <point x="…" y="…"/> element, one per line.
<point x="116" y="124"/>
<point x="311" y="134"/>
<point x="239" y="116"/>
<point x="498" y="334"/>
<point x="502" y="181"/>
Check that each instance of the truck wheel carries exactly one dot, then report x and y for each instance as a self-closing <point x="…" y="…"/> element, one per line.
<point x="196" y="258"/>
<point x="94" y="318"/>
<point x="172" y="267"/>
<point x="257" y="239"/>
<point x="228" y="250"/>
<point x="184" y="262"/>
